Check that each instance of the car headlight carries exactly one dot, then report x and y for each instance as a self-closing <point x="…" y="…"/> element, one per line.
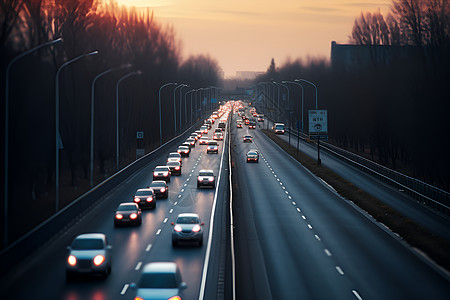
<point x="196" y="228"/>
<point x="72" y="260"/>
<point x="177" y="228"/>
<point x="119" y="216"/>
<point x="98" y="260"/>
<point x="137" y="199"/>
<point x="149" y="199"/>
<point x="133" y="216"/>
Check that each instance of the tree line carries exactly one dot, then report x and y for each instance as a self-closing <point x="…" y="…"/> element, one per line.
<point x="127" y="40"/>
<point x="393" y="112"/>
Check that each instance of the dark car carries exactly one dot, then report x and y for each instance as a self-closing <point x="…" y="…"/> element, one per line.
<point x="127" y="213"/>
<point x="89" y="253"/>
<point x="252" y="156"/>
<point x="160" y="188"/>
<point x="187" y="228"/>
<point x="161" y="173"/>
<point x="175" y="167"/>
<point x="145" y="198"/>
<point x="252" y="125"/>
<point x="206" y="178"/>
<point x="184" y="151"/>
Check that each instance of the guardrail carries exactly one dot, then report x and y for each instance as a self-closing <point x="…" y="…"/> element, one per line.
<point x="27" y="244"/>
<point x="422" y="192"/>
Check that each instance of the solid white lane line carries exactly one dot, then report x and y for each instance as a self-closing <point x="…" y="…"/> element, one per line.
<point x="138" y="266"/>
<point x="124" y="289"/>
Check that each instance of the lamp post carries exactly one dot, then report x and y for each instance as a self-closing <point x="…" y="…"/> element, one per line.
<point x="185" y="109"/>
<point x="309" y="83"/>
<point x="91" y="181"/>
<point x="57" y="133"/>
<point x="160" y="127"/>
<point x="299" y="84"/>
<point x="117" y="111"/>
<point x="8" y="70"/>
<point x="181" y="94"/>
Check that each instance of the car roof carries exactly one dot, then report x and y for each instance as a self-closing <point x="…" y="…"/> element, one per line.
<point x="206" y="170"/>
<point x="91" y="236"/>
<point x="173" y="162"/>
<point x="161" y="167"/>
<point x="127" y="203"/>
<point x="145" y="190"/>
<point x="160" y="267"/>
<point x="158" y="182"/>
<point x="183" y="146"/>
<point x="188" y="215"/>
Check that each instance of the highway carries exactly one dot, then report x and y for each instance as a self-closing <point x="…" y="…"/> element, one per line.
<point x="296" y="238"/>
<point x="133" y="247"/>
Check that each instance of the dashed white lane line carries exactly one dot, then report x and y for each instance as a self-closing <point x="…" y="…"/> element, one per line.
<point x="299" y="210"/>
<point x="158" y="232"/>
<point x="303" y="217"/>
<point x="171" y="211"/>
<point x="339" y="270"/>
<point x="149" y="246"/>
<point x="327" y="252"/>
<point x="317" y="237"/>
<point x="309" y="226"/>
<point x="176" y="202"/>
<point x="293" y="203"/>
<point x="357" y="295"/>
<point x="124" y="289"/>
<point x="165" y="220"/>
<point x="138" y="266"/>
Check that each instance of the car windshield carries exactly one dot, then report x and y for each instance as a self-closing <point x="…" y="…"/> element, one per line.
<point x="87" y="244"/>
<point x="206" y="174"/>
<point x="157" y="184"/>
<point x="143" y="193"/>
<point x="183" y="148"/>
<point x="247" y="137"/>
<point x="187" y="220"/>
<point x="161" y="169"/>
<point x="212" y="143"/>
<point x="252" y="153"/>
<point x="158" y="281"/>
<point x="126" y="207"/>
<point x="279" y="127"/>
<point x="174" y="155"/>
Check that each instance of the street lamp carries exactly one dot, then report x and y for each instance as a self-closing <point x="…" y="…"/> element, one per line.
<point x="175" y="107"/>
<point x="309" y="83"/>
<point x="299" y="84"/>
<point x="117" y="112"/>
<point x="160" y="127"/>
<point x="57" y="134"/>
<point x="92" y="118"/>
<point x="8" y="69"/>
<point x="185" y="110"/>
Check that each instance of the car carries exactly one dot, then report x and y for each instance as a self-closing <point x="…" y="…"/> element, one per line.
<point x="203" y="140"/>
<point x="252" y="156"/>
<point x="194" y="135"/>
<point x="199" y="133"/>
<point x="161" y="173"/>
<point x="206" y="178"/>
<point x="260" y="118"/>
<point x="159" y="280"/>
<point x="174" y="156"/>
<point x="145" y="198"/>
<point x="218" y="130"/>
<point x="204" y="129"/>
<point x="239" y="124"/>
<point x="222" y="125"/>
<point x="252" y="125"/>
<point x="247" y="121"/>
<point x="247" y="139"/>
<point x="175" y="167"/>
<point x="160" y="188"/>
<point x="278" y="128"/>
<point x="191" y="141"/>
<point x="213" y="147"/>
<point x="218" y="136"/>
<point x="186" y="228"/>
<point x="184" y="151"/>
<point x="127" y="213"/>
<point x="89" y="253"/>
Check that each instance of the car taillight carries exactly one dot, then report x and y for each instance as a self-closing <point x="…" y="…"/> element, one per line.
<point x="177" y="168"/>
<point x="196" y="228"/>
<point x="175" y="298"/>
<point x="163" y="190"/>
<point x="211" y="179"/>
<point x="133" y="216"/>
<point x="177" y="228"/>
<point x="98" y="260"/>
<point x="137" y="199"/>
<point x="119" y="216"/>
<point x="72" y="260"/>
<point x="179" y="151"/>
<point x="138" y="298"/>
<point x="149" y="199"/>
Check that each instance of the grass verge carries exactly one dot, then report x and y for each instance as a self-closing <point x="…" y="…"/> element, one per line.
<point x="435" y="247"/>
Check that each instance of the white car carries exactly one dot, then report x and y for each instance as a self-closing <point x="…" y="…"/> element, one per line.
<point x="187" y="228"/>
<point x="206" y="178"/>
<point x="159" y="280"/>
<point x="89" y="253"/>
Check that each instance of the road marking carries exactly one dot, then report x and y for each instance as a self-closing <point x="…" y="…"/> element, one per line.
<point x="298" y="209"/>
<point x="176" y="202"/>
<point x="165" y="220"/>
<point x="138" y="266"/>
<point x="185" y="185"/>
<point x="290" y="198"/>
<point x="171" y="211"/>
<point x="124" y="289"/>
<point x="293" y="203"/>
<point x="149" y="246"/>
<point x="158" y="232"/>
<point x="327" y="252"/>
<point x="317" y="237"/>
<point x="339" y="270"/>
<point x="309" y="226"/>
<point x="286" y="192"/>
<point x="303" y="217"/>
<point x="357" y="295"/>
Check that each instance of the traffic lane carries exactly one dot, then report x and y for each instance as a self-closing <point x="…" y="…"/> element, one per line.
<point x="123" y="240"/>
<point x="296" y="266"/>
<point x="434" y="221"/>
<point x="373" y="259"/>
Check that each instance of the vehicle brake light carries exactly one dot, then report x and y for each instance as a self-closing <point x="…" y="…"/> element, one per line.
<point x="149" y="199"/>
<point x="98" y="260"/>
<point x="179" y="151"/>
<point x="211" y="179"/>
<point x="133" y="216"/>
<point x="196" y="228"/>
<point x="72" y="260"/>
<point x="119" y="216"/>
<point x="137" y="199"/>
<point x="166" y="174"/>
<point x="163" y="190"/>
<point x="177" y="168"/>
<point x="177" y="228"/>
<point x="174" y="298"/>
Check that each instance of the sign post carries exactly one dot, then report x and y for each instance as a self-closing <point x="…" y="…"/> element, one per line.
<point x="318" y="128"/>
<point x="140" y="151"/>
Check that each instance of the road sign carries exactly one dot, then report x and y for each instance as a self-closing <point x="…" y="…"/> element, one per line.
<point x="213" y="100"/>
<point x="140" y="135"/>
<point x="316" y="137"/>
<point x="318" y="121"/>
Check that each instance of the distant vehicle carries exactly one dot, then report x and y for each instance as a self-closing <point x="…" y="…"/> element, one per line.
<point x="218" y="130"/>
<point x="218" y="136"/>
<point x="127" y="213"/>
<point x="191" y="142"/>
<point x="203" y="140"/>
<point x="175" y="167"/>
<point x="204" y="128"/>
<point x="213" y="147"/>
<point x="159" y="280"/>
<point x="160" y="188"/>
<point x="199" y="133"/>
<point x="145" y="198"/>
<point x="252" y="156"/>
<point x="278" y="128"/>
<point x="184" y="151"/>
<point x="252" y="125"/>
<point x="206" y="178"/>
<point x="195" y="136"/>
<point x="175" y="156"/>
<point x="161" y="173"/>
<point x="260" y="118"/>
<point x="222" y="125"/>
<point x="239" y="124"/>
<point x="186" y="228"/>
<point x="89" y="253"/>
<point x="247" y="139"/>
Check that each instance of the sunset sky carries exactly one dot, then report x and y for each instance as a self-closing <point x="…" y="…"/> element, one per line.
<point x="244" y="35"/>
